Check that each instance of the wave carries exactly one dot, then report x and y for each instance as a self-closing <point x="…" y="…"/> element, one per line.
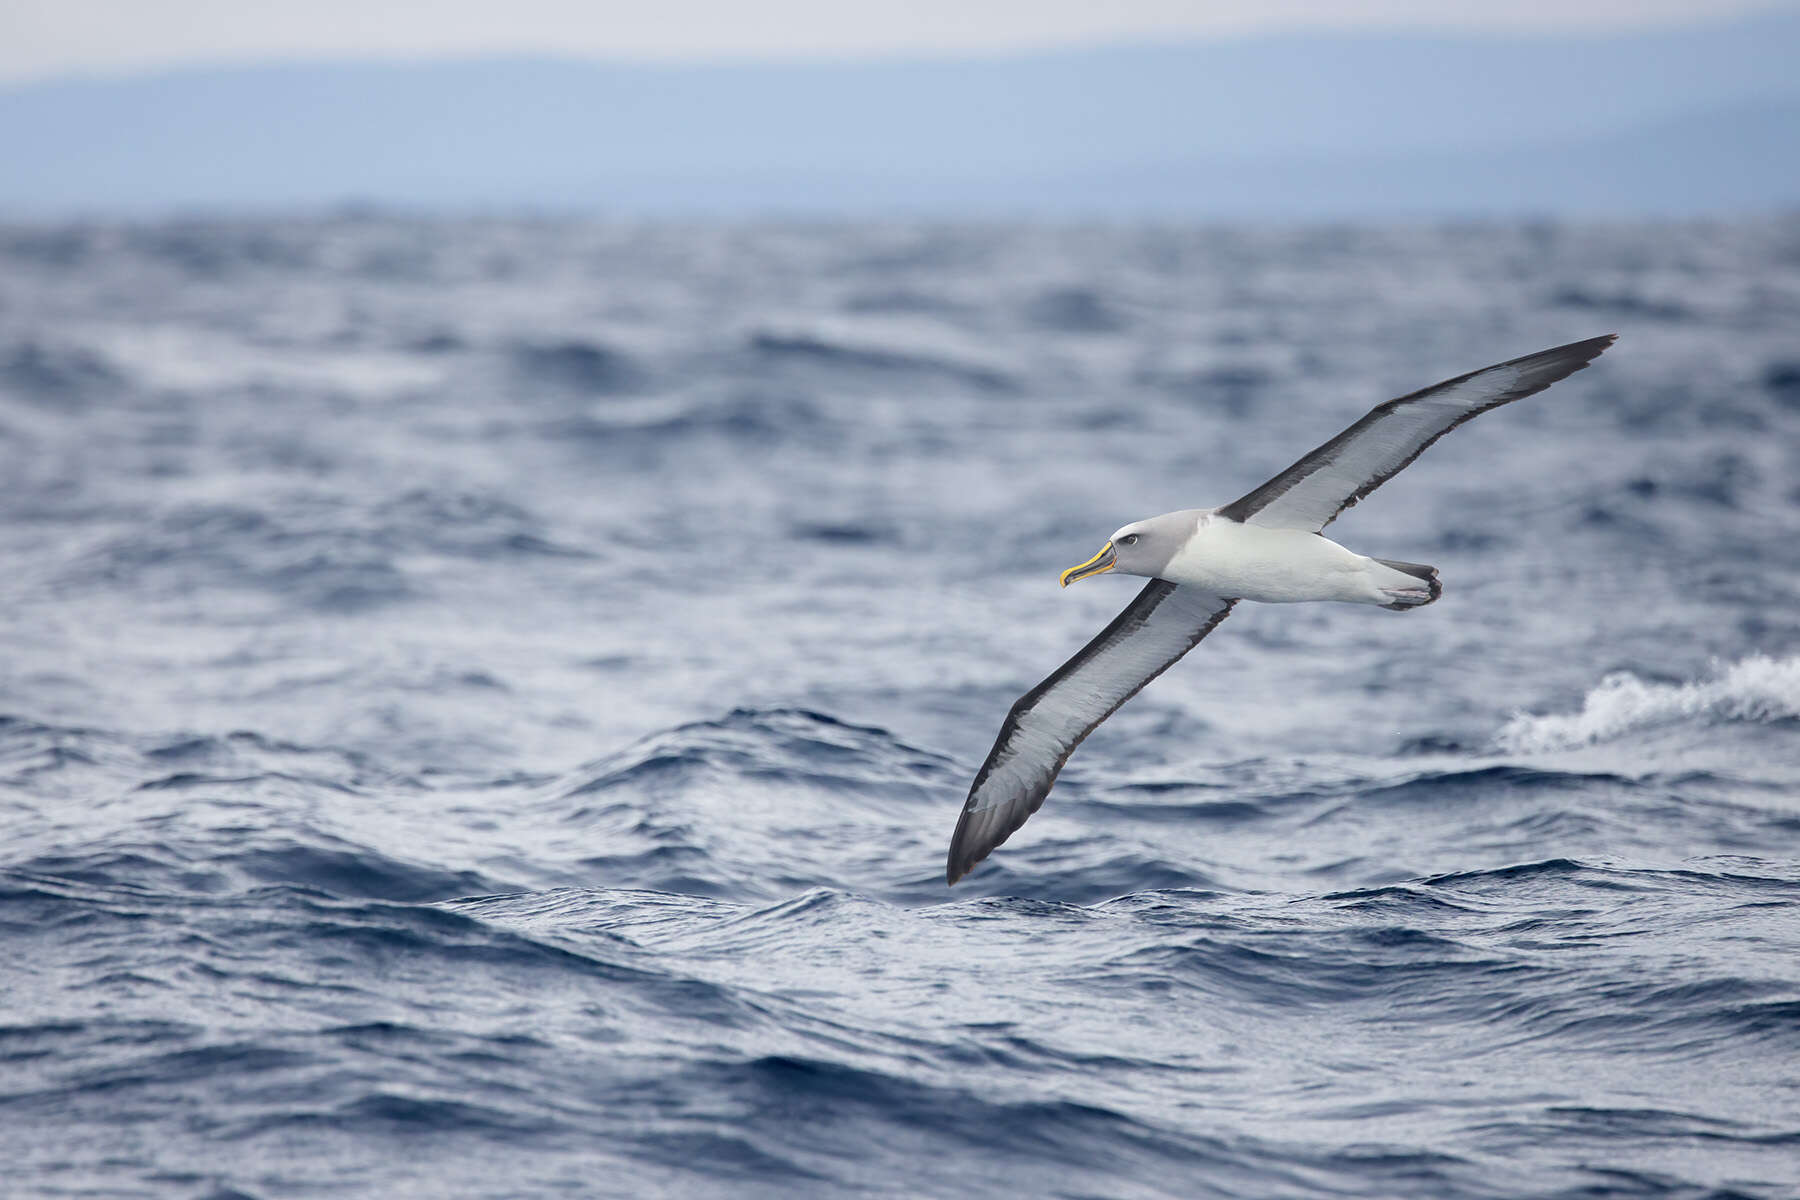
<point x="807" y="347"/>
<point x="668" y="811"/>
<point x="335" y="559"/>
<point x="1074" y="310"/>
<point x="212" y="863"/>
<point x="579" y="366"/>
<point x="1230" y="388"/>
<point x="1621" y="303"/>
<point x="56" y="376"/>
<point x="462" y="523"/>
<point x="211" y="249"/>
<point x="1756" y="690"/>
<point x="630" y="429"/>
<point x="791" y="745"/>
<point x="300" y="556"/>
<point x="1781" y="379"/>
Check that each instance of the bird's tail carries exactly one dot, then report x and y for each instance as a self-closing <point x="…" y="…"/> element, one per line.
<point x="1420" y="587"/>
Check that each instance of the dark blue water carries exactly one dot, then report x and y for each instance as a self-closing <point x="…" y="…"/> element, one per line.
<point x="483" y="706"/>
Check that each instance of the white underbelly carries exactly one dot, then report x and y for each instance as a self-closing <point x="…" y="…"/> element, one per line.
<point x="1276" y="566"/>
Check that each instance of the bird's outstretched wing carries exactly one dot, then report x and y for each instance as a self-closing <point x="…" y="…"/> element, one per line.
<point x="1312" y="492"/>
<point x="1044" y="727"/>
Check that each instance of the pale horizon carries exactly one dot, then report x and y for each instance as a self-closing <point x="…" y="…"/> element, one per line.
<point x="45" y="40"/>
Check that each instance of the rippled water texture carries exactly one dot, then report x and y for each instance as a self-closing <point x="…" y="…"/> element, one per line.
<point x="485" y="704"/>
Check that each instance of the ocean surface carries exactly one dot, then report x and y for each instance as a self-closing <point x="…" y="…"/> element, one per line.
<point x="484" y="704"/>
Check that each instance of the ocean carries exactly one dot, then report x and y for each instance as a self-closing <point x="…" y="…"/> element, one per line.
<point x="484" y="704"/>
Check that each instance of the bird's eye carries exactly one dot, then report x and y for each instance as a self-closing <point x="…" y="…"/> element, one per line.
<point x="1130" y="539"/>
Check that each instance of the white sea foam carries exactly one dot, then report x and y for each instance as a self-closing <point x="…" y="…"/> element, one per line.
<point x="1755" y="689"/>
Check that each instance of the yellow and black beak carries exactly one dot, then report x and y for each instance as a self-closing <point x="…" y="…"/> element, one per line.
<point x="1100" y="564"/>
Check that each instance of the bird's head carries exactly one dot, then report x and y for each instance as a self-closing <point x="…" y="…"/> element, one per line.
<point x="1140" y="548"/>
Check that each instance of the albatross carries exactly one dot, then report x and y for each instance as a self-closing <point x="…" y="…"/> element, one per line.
<point x="1268" y="545"/>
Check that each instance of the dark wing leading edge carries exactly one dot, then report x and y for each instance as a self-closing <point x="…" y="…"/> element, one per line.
<point x="1309" y="494"/>
<point x="1044" y="727"/>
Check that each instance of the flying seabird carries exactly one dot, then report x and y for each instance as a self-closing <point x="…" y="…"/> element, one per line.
<point x="1200" y="562"/>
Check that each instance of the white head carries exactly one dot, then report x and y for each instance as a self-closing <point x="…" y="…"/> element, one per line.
<point x="1140" y="548"/>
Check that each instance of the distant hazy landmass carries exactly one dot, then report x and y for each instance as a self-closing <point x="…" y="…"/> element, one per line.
<point x="1369" y="125"/>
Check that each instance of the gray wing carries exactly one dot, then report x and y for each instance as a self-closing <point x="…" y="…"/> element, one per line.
<point x="1312" y="492"/>
<point x="1044" y="727"/>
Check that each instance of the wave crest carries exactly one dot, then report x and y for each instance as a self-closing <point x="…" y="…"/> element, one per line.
<point x="1758" y="689"/>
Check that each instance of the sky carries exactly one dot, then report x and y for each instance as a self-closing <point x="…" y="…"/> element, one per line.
<point x="42" y="39"/>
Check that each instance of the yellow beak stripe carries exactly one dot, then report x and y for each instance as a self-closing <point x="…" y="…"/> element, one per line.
<point x="1097" y="565"/>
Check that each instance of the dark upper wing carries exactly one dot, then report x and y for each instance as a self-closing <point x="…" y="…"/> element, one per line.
<point x="1044" y="727"/>
<point x="1309" y="494"/>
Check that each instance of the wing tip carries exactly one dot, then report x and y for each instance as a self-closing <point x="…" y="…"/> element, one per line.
<point x="1562" y="361"/>
<point x="960" y="861"/>
<point x="960" y="865"/>
<point x="967" y="850"/>
<point x="974" y="841"/>
<point x="1594" y="347"/>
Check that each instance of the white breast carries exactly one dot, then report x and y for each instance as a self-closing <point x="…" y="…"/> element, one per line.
<point x="1276" y="566"/>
